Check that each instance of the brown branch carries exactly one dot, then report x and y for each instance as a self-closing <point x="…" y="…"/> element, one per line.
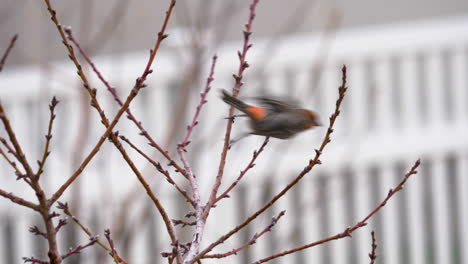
<point x="61" y="223"/>
<point x="19" y="174"/>
<point x="373" y="254"/>
<point x="43" y="208"/>
<point x="48" y="137"/>
<point x="114" y="254"/>
<point x="7" y="52"/>
<point x="203" y="101"/>
<point x="235" y="91"/>
<point x="348" y="231"/>
<point x="318" y="152"/>
<point x="158" y="167"/>
<point x="251" y="164"/>
<point x="38" y="232"/>
<point x="139" y="84"/>
<point x="73" y="58"/>
<point x="96" y="148"/>
<point x="183" y="223"/>
<point x="251" y="241"/>
<point x="35" y="260"/>
<point x="157" y="203"/>
<point x="66" y="210"/>
<point x="18" y="200"/>
<point x="19" y="154"/>
<point x="130" y="115"/>
<point x="181" y="149"/>
<point x="79" y="248"/>
<point x="10" y="149"/>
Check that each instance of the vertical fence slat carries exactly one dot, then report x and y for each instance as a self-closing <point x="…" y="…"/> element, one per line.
<point x="324" y="220"/>
<point x="441" y="219"/>
<point x="447" y="72"/>
<point x="434" y="83"/>
<point x="348" y="181"/>
<point x="454" y="205"/>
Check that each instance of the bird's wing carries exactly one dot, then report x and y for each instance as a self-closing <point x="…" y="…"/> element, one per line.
<point x="277" y="105"/>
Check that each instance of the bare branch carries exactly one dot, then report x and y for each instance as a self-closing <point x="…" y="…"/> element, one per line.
<point x="251" y="241"/>
<point x="238" y="84"/>
<point x="199" y="219"/>
<point x="66" y="210"/>
<point x="373" y="254"/>
<point x="130" y="115"/>
<point x="348" y="231"/>
<point x="139" y="84"/>
<point x="79" y="248"/>
<point x="19" y="154"/>
<point x="35" y="260"/>
<point x="19" y="174"/>
<point x="38" y="232"/>
<point x="114" y="254"/>
<point x="48" y="137"/>
<point x="18" y="200"/>
<point x="7" y="52"/>
<point x="183" y="223"/>
<point x="203" y="101"/>
<point x="158" y="167"/>
<point x="251" y="164"/>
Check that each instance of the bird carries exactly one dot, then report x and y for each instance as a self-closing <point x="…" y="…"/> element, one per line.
<point x="275" y="118"/>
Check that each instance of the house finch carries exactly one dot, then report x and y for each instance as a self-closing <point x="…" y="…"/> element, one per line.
<point x="278" y="119"/>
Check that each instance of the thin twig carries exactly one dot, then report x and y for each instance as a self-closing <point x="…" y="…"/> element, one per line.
<point x="113" y="252"/>
<point x="96" y="148"/>
<point x="73" y="58"/>
<point x="10" y="149"/>
<point x="19" y="174"/>
<point x="251" y="164"/>
<point x="203" y="101"/>
<point x="19" y="154"/>
<point x="251" y="241"/>
<point x="48" y="137"/>
<point x="66" y="210"/>
<point x="79" y="248"/>
<point x="138" y="85"/>
<point x="238" y="84"/>
<point x="38" y="232"/>
<point x="373" y="254"/>
<point x="18" y="200"/>
<point x="7" y="52"/>
<point x="130" y="115"/>
<point x="348" y="231"/>
<point x="318" y="152"/>
<point x="183" y="223"/>
<point x="181" y="149"/>
<point x="158" y="167"/>
<point x="35" y="260"/>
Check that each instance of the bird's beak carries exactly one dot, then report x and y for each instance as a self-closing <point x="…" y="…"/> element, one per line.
<point x="318" y="123"/>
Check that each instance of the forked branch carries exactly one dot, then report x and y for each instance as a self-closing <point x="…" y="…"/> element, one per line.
<point x="348" y="231"/>
<point x="7" y="52"/>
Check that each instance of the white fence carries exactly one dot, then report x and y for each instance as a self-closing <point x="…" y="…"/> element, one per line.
<point x="408" y="98"/>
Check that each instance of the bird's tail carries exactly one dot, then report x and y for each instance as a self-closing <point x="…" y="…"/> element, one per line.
<point x="231" y="100"/>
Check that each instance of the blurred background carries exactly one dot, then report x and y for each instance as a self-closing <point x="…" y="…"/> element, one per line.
<point x="408" y="98"/>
